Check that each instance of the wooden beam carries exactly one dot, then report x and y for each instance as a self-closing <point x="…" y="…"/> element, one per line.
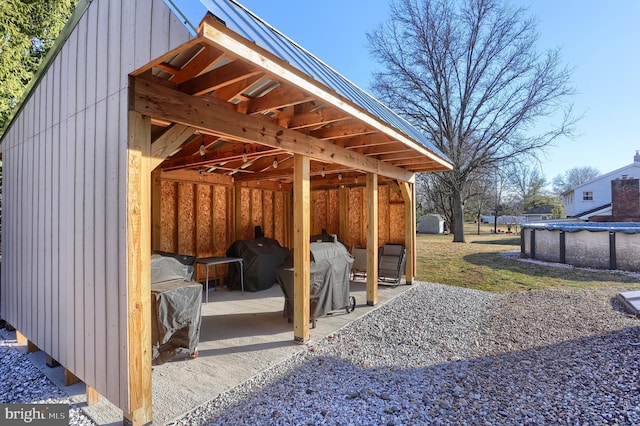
<point x="166" y="144"/>
<point x="204" y="59"/>
<point x="225" y="75"/>
<point x="190" y="176"/>
<point x="301" y="257"/>
<point x="372" y="239"/>
<point x="227" y="93"/>
<point x="364" y="141"/>
<point x="21" y="339"/>
<point x="343" y="131"/>
<point x="31" y="347"/>
<point x="50" y="361"/>
<point x="138" y="411"/>
<point x="93" y="397"/>
<point x="70" y="378"/>
<point x="388" y="152"/>
<point x="225" y="39"/>
<point x="211" y="115"/>
<point x="147" y="68"/>
<point x="316" y="118"/>
<point x="408" y="195"/>
<point x="280" y="97"/>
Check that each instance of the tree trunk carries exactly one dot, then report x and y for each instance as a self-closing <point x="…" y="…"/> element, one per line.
<point x="458" y="218"/>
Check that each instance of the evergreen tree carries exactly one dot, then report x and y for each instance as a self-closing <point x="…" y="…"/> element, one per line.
<point x="28" y="29"/>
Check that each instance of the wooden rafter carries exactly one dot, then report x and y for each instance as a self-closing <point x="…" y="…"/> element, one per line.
<point x="203" y="60"/>
<point x="224" y="39"/>
<point x="316" y="118"/>
<point x="225" y="75"/>
<point x="208" y="114"/>
<point x="343" y="131"/>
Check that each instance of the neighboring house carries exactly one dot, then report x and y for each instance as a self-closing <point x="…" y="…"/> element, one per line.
<point x="538" y="214"/>
<point x="593" y="198"/>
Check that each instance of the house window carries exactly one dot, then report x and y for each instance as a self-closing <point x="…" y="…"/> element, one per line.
<point x="587" y="196"/>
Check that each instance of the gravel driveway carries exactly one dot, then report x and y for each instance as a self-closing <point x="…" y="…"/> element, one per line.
<point x="436" y="355"/>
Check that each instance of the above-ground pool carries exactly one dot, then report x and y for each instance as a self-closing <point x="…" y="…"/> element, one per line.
<point x="611" y="245"/>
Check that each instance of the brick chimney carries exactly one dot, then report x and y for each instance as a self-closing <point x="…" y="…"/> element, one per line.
<point x="636" y="158"/>
<point x="625" y="198"/>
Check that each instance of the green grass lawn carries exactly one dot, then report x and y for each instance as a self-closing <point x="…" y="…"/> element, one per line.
<point x="478" y="264"/>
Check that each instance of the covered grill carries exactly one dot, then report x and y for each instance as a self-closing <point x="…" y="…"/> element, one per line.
<point x="330" y="271"/>
<point x="175" y="305"/>
<point x="260" y="258"/>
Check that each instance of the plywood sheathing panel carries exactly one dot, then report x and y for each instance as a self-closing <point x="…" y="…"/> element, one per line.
<point x="221" y="230"/>
<point x="199" y="218"/>
<point x="255" y="210"/>
<point x="396" y="223"/>
<point x="168" y="216"/>
<point x="186" y="219"/>
<point x="356" y="218"/>
<point x="279" y="217"/>
<point x="333" y="213"/>
<point x="245" y="218"/>
<point x="318" y="211"/>
<point x="383" y="215"/>
<point x="267" y="213"/>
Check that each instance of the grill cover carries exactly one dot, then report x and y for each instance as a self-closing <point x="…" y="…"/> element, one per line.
<point x="330" y="271"/>
<point x="260" y="258"/>
<point x="175" y="305"/>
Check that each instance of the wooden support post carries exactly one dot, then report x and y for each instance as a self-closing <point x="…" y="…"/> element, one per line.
<point x="51" y="362"/>
<point x="93" y="397"/>
<point x="372" y="239"/>
<point x="301" y="259"/>
<point x="343" y="217"/>
<point x="21" y="339"/>
<point x="138" y="411"/>
<point x="31" y="347"/>
<point x="408" y="195"/>
<point x="70" y="378"/>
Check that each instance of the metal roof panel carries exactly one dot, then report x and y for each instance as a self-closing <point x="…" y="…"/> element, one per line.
<point x="242" y="21"/>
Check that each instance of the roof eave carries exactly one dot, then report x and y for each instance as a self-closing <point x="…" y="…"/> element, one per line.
<point x="214" y="32"/>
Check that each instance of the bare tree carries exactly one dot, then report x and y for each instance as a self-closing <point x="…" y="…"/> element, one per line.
<point x="574" y="177"/>
<point x="467" y="73"/>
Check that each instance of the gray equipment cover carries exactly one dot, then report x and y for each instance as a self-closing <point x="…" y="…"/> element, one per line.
<point x="330" y="272"/>
<point x="175" y="304"/>
<point x="260" y="258"/>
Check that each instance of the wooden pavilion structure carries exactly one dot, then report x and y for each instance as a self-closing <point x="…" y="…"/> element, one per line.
<point x="138" y="120"/>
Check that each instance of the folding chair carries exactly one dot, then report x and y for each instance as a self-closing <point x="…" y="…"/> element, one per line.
<point x="391" y="264"/>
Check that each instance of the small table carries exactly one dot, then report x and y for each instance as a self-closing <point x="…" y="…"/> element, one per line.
<point x="217" y="260"/>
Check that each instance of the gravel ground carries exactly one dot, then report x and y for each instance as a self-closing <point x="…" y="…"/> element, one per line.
<point x="21" y="382"/>
<point x="449" y="355"/>
<point x="435" y="355"/>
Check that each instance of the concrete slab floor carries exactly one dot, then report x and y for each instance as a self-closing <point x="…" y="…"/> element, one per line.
<point x="241" y="336"/>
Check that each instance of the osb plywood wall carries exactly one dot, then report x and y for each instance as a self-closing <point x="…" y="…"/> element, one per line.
<point x="202" y="219"/>
<point x="390" y="217"/>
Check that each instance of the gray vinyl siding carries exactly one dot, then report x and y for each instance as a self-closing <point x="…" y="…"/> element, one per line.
<point x="64" y="213"/>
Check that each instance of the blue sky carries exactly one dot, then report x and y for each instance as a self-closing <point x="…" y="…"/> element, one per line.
<point x="600" y="40"/>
